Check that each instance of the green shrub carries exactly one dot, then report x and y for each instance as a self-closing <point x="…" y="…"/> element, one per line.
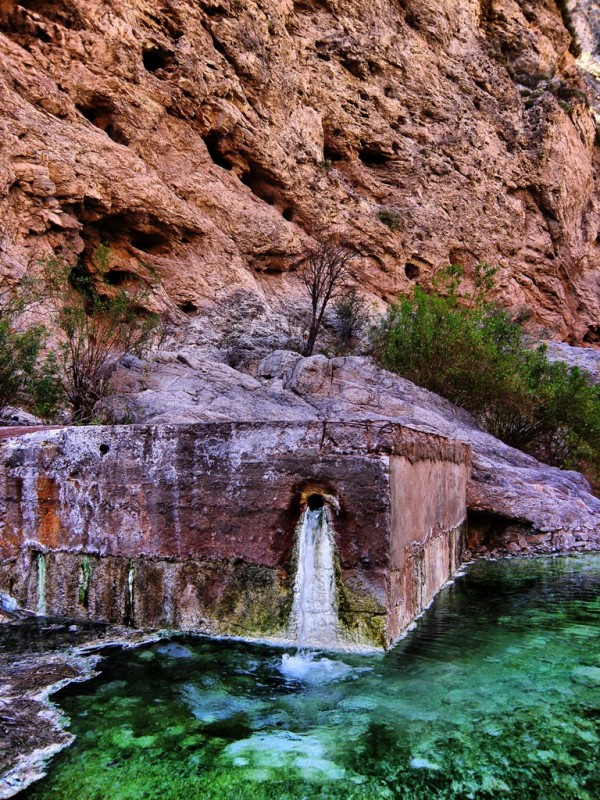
<point x="46" y="394"/>
<point x="471" y="352"/>
<point x="390" y="218"/>
<point x="25" y="373"/>
<point x="19" y="352"/>
<point x="99" y="323"/>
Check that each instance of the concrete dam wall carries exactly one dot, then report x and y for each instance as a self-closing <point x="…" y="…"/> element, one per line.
<point x="196" y="527"/>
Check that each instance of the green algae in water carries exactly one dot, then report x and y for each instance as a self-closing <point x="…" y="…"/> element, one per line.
<point x="496" y="694"/>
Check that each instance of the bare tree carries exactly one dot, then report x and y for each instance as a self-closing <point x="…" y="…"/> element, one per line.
<point x="324" y="274"/>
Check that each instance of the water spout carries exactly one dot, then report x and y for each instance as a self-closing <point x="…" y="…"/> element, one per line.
<point x="314" y="618"/>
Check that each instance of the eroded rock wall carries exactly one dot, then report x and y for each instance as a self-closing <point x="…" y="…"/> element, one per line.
<point x="194" y="527"/>
<point x="207" y="142"/>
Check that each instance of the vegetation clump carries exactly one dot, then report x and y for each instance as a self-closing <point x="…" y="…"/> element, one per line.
<point x="27" y="376"/>
<point x="99" y="324"/>
<point x="467" y="349"/>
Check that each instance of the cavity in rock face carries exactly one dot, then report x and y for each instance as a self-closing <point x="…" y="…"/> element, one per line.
<point x="314" y="610"/>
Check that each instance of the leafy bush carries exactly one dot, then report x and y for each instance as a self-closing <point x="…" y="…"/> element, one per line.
<point x="471" y="352"/>
<point x="19" y="351"/>
<point x="26" y="375"/>
<point x="352" y="316"/>
<point x="100" y="323"/>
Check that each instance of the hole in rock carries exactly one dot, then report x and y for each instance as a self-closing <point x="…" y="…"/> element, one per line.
<point x="412" y="20"/>
<point x="213" y="142"/>
<point x="102" y="115"/>
<point x="592" y="335"/>
<point x="60" y="11"/>
<point x="116" y="277"/>
<point x="153" y="243"/>
<point x="315" y="501"/>
<point x="372" y="158"/>
<point x="188" y="307"/>
<point x="331" y="153"/>
<point x="156" y="58"/>
<point x="288" y="214"/>
<point x="259" y="184"/>
<point x="104" y="448"/>
<point x="215" y="11"/>
<point x="411" y="271"/>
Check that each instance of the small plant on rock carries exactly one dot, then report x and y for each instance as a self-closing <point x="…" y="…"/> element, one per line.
<point x="390" y="218"/>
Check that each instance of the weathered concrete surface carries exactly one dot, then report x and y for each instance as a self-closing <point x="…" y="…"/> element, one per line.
<point x="193" y="526"/>
<point x="427" y="542"/>
<point x="505" y="483"/>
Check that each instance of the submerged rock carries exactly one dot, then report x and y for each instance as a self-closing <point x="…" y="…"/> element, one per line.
<point x="38" y="656"/>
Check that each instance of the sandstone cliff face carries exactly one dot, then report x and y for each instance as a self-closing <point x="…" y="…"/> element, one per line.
<point x="209" y="141"/>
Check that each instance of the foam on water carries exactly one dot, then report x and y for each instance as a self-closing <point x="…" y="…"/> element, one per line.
<point x="274" y="751"/>
<point x="308" y="668"/>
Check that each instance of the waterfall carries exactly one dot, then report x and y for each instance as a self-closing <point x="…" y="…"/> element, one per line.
<point x="314" y="611"/>
<point x="41" y="584"/>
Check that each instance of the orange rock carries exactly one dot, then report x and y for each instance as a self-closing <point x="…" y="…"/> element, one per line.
<point x="210" y="141"/>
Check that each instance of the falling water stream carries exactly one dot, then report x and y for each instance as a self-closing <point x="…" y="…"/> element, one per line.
<point x="314" y="611"/>
<point x="495" y="694"/>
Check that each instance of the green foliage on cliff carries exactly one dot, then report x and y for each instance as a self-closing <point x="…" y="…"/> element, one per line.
<point x="19" y="350"/>
<point x="27" y="376"/>
<point x="99" y="324"/>
<point x="467" y="349"/>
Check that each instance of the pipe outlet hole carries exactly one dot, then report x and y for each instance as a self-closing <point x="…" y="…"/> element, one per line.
<point x="315" y="501"/>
